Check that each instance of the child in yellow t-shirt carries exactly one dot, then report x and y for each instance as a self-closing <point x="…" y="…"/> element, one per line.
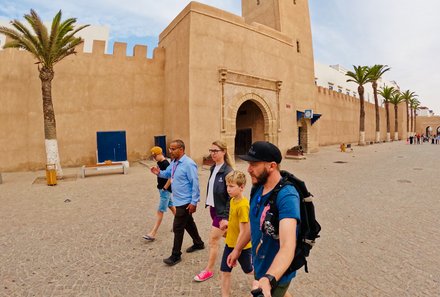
<point x="238" y="227"/>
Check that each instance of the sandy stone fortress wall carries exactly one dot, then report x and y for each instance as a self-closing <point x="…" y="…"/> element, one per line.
<point x="340" y="118"/>
<point x="209" y="63"/>
<point x="91" y="92"/>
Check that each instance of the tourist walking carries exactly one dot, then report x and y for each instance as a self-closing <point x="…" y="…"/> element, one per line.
<point x="186" y="195"/>
<point x="164" y="187"/>
<point x="238" y="227"/>
<point x="272" y="255"/>
<point x="217" y="199"/>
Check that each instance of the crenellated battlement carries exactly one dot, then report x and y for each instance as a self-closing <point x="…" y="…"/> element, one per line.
<point x="119" y="51"/>
<point x="334" y="94"/>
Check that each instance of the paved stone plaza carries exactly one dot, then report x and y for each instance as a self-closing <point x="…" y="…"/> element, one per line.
<point x="379" y="212"/>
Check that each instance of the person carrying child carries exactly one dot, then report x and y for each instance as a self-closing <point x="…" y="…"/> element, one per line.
<point x="238" y="228"/>
<point x="164" y="187"/>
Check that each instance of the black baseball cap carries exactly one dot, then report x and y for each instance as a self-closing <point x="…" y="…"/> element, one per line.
<point x="263" y="151"/>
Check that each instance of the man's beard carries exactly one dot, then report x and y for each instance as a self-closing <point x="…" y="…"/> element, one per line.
<point x="262" y="178"/>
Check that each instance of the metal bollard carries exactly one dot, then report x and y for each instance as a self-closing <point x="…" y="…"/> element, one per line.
<point x="51" y="174"/>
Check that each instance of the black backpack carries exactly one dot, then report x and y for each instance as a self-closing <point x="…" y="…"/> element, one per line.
<point x="308" y="229"/>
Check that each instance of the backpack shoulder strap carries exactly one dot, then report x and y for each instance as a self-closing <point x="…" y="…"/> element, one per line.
<point x="253" y="191"/>
<point x="272" y="200"/>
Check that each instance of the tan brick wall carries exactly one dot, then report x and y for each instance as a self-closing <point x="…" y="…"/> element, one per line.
<point x="340" y="119"/>
<point x="91" y="92"/>
<point x="424" y="122"/>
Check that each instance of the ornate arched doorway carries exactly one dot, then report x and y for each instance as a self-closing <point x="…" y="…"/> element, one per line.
<point x="248" y="118"/>
<point x="249" y="126"/>
<point x="438" y="130"/>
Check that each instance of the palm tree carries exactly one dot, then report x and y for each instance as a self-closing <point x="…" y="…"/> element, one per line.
<point x="415" y="106"/>
<point x="361" y="76"/>
<point x="407" y="96"/>
<point x="387" y="93"/>
<point x="48" y="49"/>
<point x="396" y="98"/>
<point x="376" y="73"/>
<point x="412" y="103"/>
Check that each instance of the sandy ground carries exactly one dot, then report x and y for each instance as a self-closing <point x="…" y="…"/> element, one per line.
<point x="379" y="212"/>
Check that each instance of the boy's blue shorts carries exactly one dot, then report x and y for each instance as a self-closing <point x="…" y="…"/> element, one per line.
<point x="165" y="200"/>
<point x="245" y="260"/>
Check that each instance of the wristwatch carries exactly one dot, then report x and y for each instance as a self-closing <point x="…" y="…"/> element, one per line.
<point x="273" y="282"/>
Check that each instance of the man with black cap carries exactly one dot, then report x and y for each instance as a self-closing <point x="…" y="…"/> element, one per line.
<point x="272" y="255"/>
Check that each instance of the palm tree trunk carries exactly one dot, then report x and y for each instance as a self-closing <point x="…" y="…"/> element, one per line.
<point x="361" y="116"/>
<point x="412" y="125"/>
<point x="407" y="118"/>
<point x="396" y="122"/>
<point x="376" y="107"/>
<point x="50" y="133"/>
<point x="387" y="110"/>
<point x="415" y="121"/>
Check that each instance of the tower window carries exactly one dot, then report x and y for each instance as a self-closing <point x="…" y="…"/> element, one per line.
<point x="258" y="2"/>
<point x="294" y="2"/>
<point x="298" y="49"/>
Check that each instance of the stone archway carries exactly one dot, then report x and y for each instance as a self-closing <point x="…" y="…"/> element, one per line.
<point x="428" y="131"/>
<point x="249" y="125"/>
<point x="259" y="109"/>
<point x="304" y="126"/>
<point x="438" y="131"/>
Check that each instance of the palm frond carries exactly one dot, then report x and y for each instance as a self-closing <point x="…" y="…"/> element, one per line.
<point x="20" y="38"/>
<point x="47" y="47"/>
<point x="360" y="76"/>
<point x="387" y="93"/>
<point x="376" y="71"/>
<point x="396" y="98"/>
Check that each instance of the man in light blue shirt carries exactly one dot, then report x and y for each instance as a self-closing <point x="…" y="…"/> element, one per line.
<point x="186" y="194"/>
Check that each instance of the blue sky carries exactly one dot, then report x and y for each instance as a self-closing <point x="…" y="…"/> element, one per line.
<point x="399" y="33"/>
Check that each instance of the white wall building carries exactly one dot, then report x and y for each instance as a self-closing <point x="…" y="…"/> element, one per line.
<point x="424" y="112"/>
<point x="333" y="77"/>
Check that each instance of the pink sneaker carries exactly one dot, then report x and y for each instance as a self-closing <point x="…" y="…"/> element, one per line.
<point x="203" y="275"/>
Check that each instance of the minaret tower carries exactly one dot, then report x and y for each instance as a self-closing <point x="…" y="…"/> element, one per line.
<point x="290" y="17"/>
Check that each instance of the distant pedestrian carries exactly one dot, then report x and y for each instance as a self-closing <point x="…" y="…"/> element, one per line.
<point x="186" y="194"/>
<point x="164" y="187"/>
<point x="342" y="147"/>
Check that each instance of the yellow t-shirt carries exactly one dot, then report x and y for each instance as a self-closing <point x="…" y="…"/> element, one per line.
<point x="238" y="213"/>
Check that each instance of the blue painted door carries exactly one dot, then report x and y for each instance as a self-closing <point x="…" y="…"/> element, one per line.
<point x="161" y="141"/>
<point x="111" y="146"/>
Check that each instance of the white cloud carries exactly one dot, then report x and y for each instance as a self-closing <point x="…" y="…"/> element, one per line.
<point x="399" y="33"/>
